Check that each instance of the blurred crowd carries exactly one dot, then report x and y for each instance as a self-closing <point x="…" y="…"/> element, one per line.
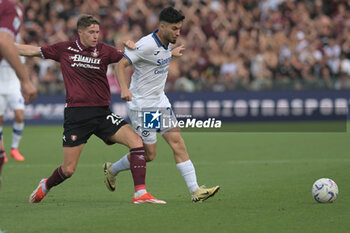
<point x="230" y="44"/>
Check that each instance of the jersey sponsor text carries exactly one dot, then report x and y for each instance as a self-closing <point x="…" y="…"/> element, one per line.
<point x="90" y="60"/>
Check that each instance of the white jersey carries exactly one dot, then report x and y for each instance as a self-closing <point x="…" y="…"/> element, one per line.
<point x="150" y="61"/>
<point x="9" y="83"/>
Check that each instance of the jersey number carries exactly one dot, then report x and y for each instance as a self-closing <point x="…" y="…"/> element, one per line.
<point x="114" y="118"/>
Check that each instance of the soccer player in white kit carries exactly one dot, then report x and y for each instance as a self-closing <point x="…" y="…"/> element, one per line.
<point x="11" y="18"/>
<point x="11" y="97"/>
<point x="151" y="61"/>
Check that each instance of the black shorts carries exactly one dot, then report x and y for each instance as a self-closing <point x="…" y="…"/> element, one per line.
<point x="81" y="122"/>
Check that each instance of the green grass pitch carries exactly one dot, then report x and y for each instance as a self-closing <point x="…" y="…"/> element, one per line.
<point x="265" y="181"/>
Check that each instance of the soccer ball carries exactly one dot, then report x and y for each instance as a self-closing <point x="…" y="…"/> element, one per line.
<point x="325" y="190"/>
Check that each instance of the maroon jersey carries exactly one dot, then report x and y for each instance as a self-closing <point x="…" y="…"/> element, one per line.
<point x="84" y="71"/>
<point x="11" y="18"/>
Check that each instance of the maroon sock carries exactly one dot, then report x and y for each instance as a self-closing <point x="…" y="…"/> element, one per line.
<point x="56" y="178"/>
<point x="2" y="158"/>
<point x="138" y="167"/>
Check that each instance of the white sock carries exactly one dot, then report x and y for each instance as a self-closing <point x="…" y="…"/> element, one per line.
<point x="140" y="192"/>
<point x="121" y="165"/>
<point x="17" y="134"/>
<point x="187" y="171"/>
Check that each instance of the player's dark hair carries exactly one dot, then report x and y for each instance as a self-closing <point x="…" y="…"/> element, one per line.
<point x="85" y="21"/>
<point x="171" y="15"/>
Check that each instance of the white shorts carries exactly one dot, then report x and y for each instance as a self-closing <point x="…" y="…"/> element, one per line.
<point x="149" y="136"/>
<point x="14" y="101"/>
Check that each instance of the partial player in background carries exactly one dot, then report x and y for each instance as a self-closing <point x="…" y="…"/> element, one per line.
<point x="11" y="18"/>
<point x="11" y="97"/>
<point x="151" y="61"/>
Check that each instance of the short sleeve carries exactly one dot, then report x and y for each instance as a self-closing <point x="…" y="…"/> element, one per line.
<point x="133" y="55"/>
<point x="53" y="51"/>
<point x="10" y="21"/>
<point x="114" y="54"/>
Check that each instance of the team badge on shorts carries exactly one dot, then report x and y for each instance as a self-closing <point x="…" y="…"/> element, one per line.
<point x="152" y="119"/>
<point x="73" y="137"/>
<point x="145" y="133"/>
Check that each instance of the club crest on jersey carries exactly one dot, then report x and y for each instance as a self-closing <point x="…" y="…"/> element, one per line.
<point x="95" y="53"/>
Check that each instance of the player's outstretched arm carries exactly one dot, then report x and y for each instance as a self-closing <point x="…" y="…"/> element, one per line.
<point x="125" y="94"/>
<point x="9" y="52"/>
<point x="28" y="50"/>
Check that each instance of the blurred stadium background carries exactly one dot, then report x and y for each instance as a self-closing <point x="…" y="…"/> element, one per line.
<point x="296" y="51"/>
<point x="230" y="45"/>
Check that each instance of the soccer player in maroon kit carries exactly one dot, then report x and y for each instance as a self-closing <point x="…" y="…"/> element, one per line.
<point x="84" y="65"/>
<point x="11" y="18"/>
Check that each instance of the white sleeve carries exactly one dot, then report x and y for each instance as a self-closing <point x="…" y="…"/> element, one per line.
<point x="133" y="55"/>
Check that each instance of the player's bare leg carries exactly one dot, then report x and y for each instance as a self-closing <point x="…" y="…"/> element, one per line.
<point x="174" y="139"/>
<point x="66" y="170"/>
<point x="150" y="151"/>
